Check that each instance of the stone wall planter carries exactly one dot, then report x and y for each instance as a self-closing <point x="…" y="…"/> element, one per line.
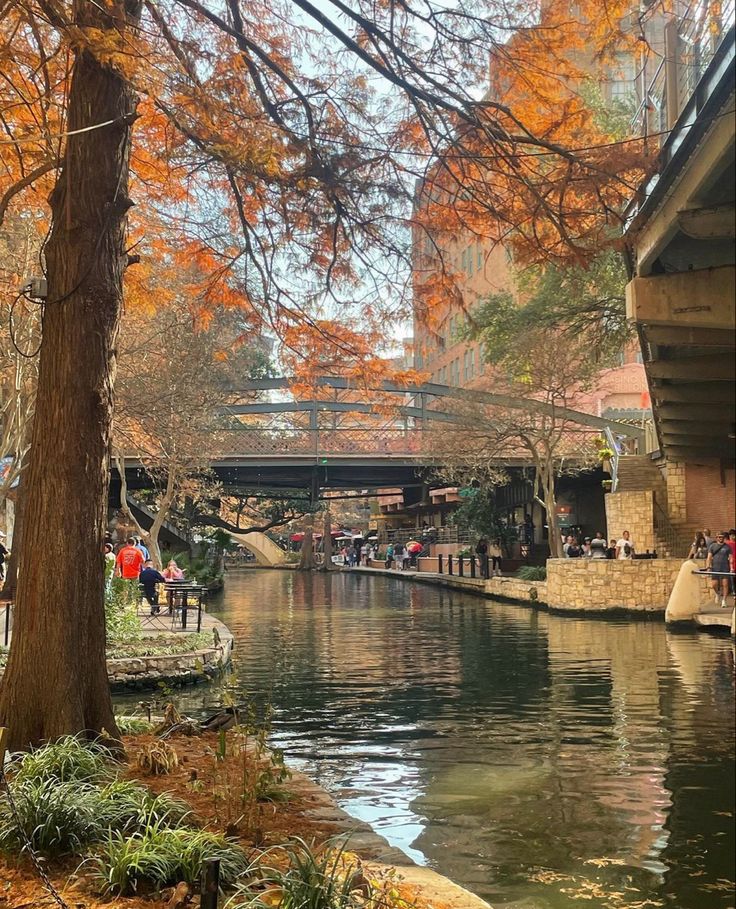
<point x="176" y="669"/>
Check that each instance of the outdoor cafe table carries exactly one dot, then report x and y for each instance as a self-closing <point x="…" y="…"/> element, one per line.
<point x="184" y="595"/>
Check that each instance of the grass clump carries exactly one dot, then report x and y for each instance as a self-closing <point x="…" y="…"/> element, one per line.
<point x="134" y="725"/>
<point x="129" y="807"/>
<point x="55" y="818"/>
<point x="70" y="759"/>
<point x="532" y="573"/>
<point x="62" y="818"/>
<point x="327" y="877"/>
<point x="161" y="856"/>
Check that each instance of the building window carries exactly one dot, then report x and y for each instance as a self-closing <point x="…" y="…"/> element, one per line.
<point x="469" y="260"/>
<point x="479" y="257"/>
<point x="464" y="260"/>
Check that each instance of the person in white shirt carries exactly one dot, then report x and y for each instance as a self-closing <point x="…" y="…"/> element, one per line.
<point x="625" y="546"/>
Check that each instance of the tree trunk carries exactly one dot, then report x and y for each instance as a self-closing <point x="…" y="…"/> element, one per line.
<point x="306" y="556"/>
<point x="11" y="566"/>
<point x="327" y="543"/>
<point x="546" y="476"/>
<point x="164" y="507"/>
<point x="149" y="537"/>
<point x="56" y="682"/>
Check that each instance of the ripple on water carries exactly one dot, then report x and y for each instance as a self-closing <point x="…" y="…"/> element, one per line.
<point x="544" y="762"/>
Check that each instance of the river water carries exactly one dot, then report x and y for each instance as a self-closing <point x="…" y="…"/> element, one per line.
<point x="544" y="762"/>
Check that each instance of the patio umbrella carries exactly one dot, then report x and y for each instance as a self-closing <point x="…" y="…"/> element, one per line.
<point x="413" y="546"/>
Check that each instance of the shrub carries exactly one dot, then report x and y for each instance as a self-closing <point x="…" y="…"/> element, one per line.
<point x="56" y="818"/>
<point x="70" y="758"/>
<point x="532" y="573"/>
<point x="162" y="856"/>
<point x="121" y="615"/>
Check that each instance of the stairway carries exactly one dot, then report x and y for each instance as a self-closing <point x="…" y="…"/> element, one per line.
<point x="640" y="473"/>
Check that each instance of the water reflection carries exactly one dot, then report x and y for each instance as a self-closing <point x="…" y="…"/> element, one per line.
<point x="542" y="761"/>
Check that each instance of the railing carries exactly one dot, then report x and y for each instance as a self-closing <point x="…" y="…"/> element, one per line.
<point x="613" y="446"/>
<point x="691" y="39"/>
<point x="425" y="535"/>
<point x="676" y="545"/>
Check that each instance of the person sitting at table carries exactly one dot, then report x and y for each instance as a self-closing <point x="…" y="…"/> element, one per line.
<point x="148" y="579"/>
<point x="172" y="572"/>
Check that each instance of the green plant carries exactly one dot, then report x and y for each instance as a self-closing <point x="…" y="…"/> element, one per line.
<point x="133" y="725"/>
<point x="605" y="454"/>
<point x="55" y="818"/>
<point x="121" y="614"/>
<point x="324" y="878"/>
<point x="162" y="856"/>
<point x="129" y="807"/>
<point x="70" y="758"/>
<point x="162" y="644"/>
<point x="532" y="573"/>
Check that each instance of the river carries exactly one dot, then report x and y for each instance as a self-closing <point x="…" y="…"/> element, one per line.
<point x="542" y="761"/>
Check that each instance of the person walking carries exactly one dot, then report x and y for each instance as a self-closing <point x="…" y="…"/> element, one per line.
<point x="129" y="561"/>
<point x="611" y="550"/>
<point x="573" y="550"/>
<point x="139" y="544"/>
<point x="598" y="547"/>
<point x="720" y="559"/>
<point x="528" y="528"/>
<point x="699" y="547"/>
<point x="495" y="554"/>
<point x="399" y="556"/>
<point x="481" y="550"/>
<point x="148" y="579"/>
<point x="625" y="546"/>
<point x="389" y="555"/>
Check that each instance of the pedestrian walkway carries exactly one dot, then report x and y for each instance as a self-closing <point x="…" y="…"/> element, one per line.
<point x="447" y="580"/>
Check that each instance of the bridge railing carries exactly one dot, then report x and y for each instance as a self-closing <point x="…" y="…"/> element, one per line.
<point x="320" y="442"/>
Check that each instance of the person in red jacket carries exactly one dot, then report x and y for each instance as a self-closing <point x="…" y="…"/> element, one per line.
<point x="129" y="561"/>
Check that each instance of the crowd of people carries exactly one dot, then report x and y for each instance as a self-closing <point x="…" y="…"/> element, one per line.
<point x="133" y="563"/>
<point x="597" y="548"/>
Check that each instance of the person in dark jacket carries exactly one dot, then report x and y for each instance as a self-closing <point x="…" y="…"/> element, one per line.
<point x="481" y="550"/>
<point x="148" y="579"/>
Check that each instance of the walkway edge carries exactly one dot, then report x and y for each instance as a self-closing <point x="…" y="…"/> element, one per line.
<point x="376" y="851"/>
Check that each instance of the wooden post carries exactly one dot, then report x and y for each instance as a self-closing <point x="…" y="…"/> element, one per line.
<point x="460" y="566"/>
<point x="210" y="884"/>
<point x="449" y="563"/>
<point x="439" y="563"/>
<point x="472" y="566"/>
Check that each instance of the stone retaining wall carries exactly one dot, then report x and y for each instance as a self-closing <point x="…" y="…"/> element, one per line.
<point x="632" y="511"/>
<point x="173" y="669"/>
<point x="595" y="585"/>
<point x="516" y="589"/>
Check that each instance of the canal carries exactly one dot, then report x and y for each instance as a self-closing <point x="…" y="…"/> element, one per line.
<point x="544" y="762"/>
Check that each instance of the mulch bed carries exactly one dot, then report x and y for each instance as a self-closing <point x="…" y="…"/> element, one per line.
<point x="212" y="787"/>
